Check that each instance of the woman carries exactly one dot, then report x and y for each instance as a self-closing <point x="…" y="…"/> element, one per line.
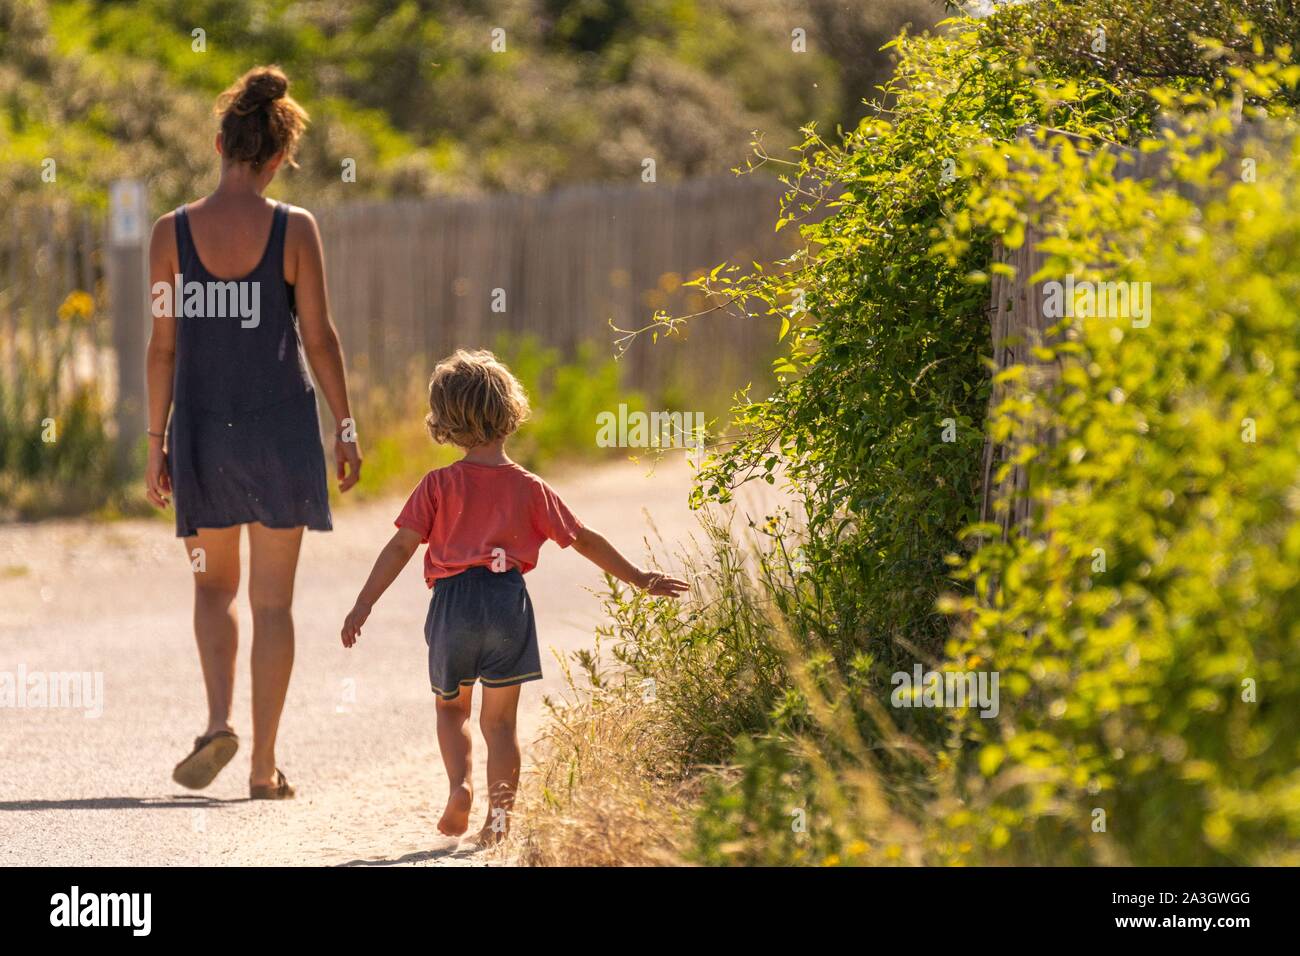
<point x="238" y="283"/>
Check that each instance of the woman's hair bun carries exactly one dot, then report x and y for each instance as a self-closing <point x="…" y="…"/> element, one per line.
<point x="260" y="86"/>
<point x="259" y="118"/>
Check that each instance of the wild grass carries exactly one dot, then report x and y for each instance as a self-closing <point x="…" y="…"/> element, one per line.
<point x="712" y="732"/>
<point x="55" y="457"/>
<point x="606" y="790"/>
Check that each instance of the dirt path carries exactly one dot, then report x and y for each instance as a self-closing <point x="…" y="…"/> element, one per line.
<point x="357" y="737"/>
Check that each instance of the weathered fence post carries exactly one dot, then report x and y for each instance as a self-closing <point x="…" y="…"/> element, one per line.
<point x="128" y="223"/>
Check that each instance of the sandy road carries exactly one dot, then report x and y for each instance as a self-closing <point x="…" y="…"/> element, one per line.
<point x="357" y="737"/>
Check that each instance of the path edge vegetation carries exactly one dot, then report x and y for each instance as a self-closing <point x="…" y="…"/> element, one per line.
<point x="1144" y="706"/>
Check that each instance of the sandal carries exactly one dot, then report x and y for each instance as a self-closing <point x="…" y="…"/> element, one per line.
<point x="209" y="756"/>
<point x="280" y="790"/>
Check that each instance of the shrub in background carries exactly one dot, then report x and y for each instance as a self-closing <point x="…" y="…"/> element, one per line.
<point x="566" y="395"/>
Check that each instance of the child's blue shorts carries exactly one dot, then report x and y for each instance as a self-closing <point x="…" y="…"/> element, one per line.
<point x="481" y="627"/>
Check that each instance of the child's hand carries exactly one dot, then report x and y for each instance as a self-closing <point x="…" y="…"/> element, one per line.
<point x="662" y="585"/>
<point x="352" y="623"/>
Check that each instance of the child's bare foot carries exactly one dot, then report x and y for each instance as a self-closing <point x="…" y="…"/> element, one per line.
<point x="495" y="829"/>
<point x="455" y="818"/>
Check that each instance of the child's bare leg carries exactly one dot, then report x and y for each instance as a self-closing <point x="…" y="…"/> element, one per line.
<point x="497" y="721"/>
<point x="454" y="742"/>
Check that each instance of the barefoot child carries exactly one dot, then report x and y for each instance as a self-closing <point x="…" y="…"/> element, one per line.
<point x="484" y="519"/>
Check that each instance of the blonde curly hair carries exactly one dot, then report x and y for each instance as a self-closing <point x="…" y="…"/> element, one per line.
<point x="474" y="399"/>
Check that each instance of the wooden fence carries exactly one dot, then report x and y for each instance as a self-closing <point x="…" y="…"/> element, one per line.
<point x="53" y="337"/>
<point x="410" y="281"/>
<point x="415" y="280"/>
<point x="47" y="254"/>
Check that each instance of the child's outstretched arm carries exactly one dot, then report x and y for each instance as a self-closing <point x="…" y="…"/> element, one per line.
<point x="387" y="567"/>
<point x="593" y="546"/>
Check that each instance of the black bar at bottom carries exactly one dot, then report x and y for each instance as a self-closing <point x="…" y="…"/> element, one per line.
<point x="334" y="906"/>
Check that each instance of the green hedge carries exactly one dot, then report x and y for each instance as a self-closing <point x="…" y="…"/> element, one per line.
<point x="1121" y="690"/>
<point x="1147" y="625"/>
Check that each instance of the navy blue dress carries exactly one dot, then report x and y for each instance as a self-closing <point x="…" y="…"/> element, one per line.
<point x="244" y="438"/>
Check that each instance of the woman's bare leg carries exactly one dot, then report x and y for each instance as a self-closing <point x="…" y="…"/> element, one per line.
<point x="454" y="742"/>
<point x="273" y="562"/>
<point x="213" y="554"/>
<point x="497" y="721"/>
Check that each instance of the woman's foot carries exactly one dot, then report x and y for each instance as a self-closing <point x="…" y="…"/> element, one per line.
<point x="211" y="753"/>
<point x="263" y="772"/>
<point x="455" y="818"/>
<point x="277" y="789"/>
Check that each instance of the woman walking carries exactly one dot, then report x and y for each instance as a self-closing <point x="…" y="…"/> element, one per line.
<point x="240" y="310"/>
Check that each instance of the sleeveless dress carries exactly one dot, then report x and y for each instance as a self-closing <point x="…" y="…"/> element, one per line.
<point x="244" y="438"/>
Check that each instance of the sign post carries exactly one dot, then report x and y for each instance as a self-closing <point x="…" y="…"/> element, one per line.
<point x="126" y="269"/>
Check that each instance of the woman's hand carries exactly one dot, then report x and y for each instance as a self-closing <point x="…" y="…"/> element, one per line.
<point x="352" y="623"/>
<point x="347" y="461"/>
<point x="157" y="477"/>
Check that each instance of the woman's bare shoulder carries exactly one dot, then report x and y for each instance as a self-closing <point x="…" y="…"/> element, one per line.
<point x="301" y="232"/>
<point x="301" y="220"/>
<point x="163" y="237"/>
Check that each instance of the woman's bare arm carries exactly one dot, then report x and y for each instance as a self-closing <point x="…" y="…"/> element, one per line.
<point x="160" y="360"/>
<point x="320" y="339"/>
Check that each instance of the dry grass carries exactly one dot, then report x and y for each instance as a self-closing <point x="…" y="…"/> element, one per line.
<point x="603" y="793"/>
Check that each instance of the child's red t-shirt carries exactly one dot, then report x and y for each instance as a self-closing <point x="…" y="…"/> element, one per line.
<point x="466" y="511"/>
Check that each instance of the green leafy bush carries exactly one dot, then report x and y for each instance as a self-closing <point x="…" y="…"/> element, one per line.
<point x="877" y="417"/>
<point x="1146" y="624"/>
<point x="878" y="411"/>
<point x="566" y="396"/>
<point x="1122" y="690"/>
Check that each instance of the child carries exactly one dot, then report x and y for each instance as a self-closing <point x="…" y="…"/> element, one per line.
<point x="484" y="519"/>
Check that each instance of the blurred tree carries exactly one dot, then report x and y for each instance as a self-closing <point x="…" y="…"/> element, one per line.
<point x="414" y="92"/>
<point x="853" y="34"/>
